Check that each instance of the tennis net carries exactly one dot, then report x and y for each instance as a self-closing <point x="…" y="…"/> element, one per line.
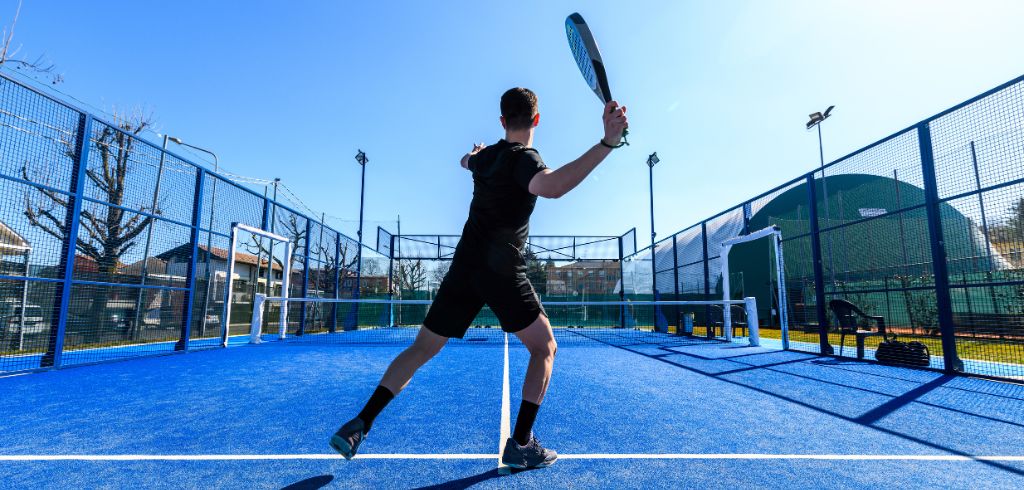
<point x="397" y="321"/>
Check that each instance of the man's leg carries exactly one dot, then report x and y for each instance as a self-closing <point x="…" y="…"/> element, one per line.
<point x="347" y="439"/>
<point x="401" y="370"/>
<point x="540" y="342"/>
<point x="425" y="347"/>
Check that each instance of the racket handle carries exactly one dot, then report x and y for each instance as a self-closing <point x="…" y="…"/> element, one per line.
<point x="625" y="132"/>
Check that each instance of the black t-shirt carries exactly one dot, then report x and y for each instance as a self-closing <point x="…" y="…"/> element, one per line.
<point x="499" y="215"/>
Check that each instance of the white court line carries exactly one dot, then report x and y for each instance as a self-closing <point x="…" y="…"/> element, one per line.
<point x="284" y="457"/>
<point x="506" y="424"/>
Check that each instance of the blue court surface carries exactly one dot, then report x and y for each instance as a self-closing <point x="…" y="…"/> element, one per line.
<point x="660" y="412"/>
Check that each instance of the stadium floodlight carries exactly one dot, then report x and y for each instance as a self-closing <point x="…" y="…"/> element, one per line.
<point x="653" y="159"/>
<point x="816" y="119"/>
<point x="361" y="158"/>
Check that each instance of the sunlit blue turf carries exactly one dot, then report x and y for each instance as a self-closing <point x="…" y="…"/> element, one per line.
<point x="678" y="395"/>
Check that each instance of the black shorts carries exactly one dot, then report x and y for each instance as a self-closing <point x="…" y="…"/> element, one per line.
<point x="467" y="288"/>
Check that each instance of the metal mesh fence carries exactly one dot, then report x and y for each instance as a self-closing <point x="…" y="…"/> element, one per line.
<point x="923" y="229"/>
<point x="113" y="248"/>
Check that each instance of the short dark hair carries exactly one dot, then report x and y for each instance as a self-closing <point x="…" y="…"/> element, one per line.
<point x="518" y="106"/>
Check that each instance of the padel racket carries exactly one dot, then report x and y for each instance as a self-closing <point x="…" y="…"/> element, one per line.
<point x="588" y="58"/>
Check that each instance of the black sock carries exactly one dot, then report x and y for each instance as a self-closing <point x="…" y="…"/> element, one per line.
<point x="524" y="422"/>
<point x="380" y="399"/>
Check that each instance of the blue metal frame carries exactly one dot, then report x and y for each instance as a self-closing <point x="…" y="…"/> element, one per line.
<point x="190" y="278"/>
<point x="819" y="275"/>
<point x="707" y="278"/>
<point x="55" y="348"/>
<point x="938" y="250"/>
<point x="622" y="284"/>
<point x="675" y="282"/>
<point x="305" y="277"/>
<point x="333" y="325"/>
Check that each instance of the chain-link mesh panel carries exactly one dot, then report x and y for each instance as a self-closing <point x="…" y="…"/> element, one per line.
<point x="225" y="202"/>
<point x="31" y="232"/>
<point x="27" y="320"/>
<point x="882" y="179"/>
<point x="979" y="156"/>
<point x="980" y="144"/>
<point x="726" y="226"/>
<point x="37" y="137"/>
<point x="629" y="243"/>
<point x="384" y="242"/>
<point x="102" y="322"/>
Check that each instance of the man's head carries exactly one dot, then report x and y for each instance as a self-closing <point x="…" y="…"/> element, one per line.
<point x="519" y="109"/>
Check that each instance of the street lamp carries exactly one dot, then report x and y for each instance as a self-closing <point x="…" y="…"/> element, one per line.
<point x="652" y="160"/>
<point x="361" y="158"/>
<point x="144" y="269"/>
<point x="209" y="236"/>
<point x="815" y="121"/>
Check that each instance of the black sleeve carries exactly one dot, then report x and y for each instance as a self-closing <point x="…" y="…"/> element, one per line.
<point x="526" y="166"/>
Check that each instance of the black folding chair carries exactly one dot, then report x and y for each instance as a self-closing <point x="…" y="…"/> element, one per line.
<point x="850" y="319"/>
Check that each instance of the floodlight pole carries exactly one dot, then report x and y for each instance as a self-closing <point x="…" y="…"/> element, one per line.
<point x="361" y="158"/>
<point x="135" y="329"/>
<point x="209" y="236"/>
<point x="652" y="160"/>
<point x="816" y="119"/>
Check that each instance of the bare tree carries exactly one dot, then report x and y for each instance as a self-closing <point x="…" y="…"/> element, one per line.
<point x="372" y="267"/>
<point x="440" y="270"/>
<point x="108" y="233"/>
<point x="410" y="276"/>
<point x="8" y="51"/>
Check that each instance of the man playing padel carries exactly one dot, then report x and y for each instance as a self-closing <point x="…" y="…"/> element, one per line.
<point x="488" y="268"/>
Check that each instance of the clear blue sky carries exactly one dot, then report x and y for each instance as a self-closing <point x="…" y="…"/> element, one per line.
<point x="721" y="90"/>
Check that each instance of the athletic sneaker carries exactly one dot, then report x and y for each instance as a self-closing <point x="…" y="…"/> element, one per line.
<point x="532" y="455"/>
<point x="348" y="438"/>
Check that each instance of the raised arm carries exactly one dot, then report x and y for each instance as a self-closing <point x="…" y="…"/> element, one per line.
<point x="553" y="184"/>
<point x="476" y="149"/>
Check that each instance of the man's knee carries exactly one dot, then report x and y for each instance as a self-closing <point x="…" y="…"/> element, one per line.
<point x="544" y="350"/>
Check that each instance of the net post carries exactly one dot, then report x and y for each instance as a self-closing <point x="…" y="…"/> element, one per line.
<point x="753" y="327"/>
<point x="333" y="326"/>
<point x="304" y="291"/>
<point x="229" y="285"/>
<point x="622" y="285"/>
<point x="257" y="318"/>
<point x="726" y="307"/>
<point x="707" y="278"/>
<point x="391" y="281"/>
<point x="783" y="301"/>
<point x="675" y="282"/>
<point x="285" y="283"/>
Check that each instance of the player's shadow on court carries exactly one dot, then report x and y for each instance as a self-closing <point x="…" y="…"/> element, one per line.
<point x="468" y="481"/>
<point x="313" y="483"/>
